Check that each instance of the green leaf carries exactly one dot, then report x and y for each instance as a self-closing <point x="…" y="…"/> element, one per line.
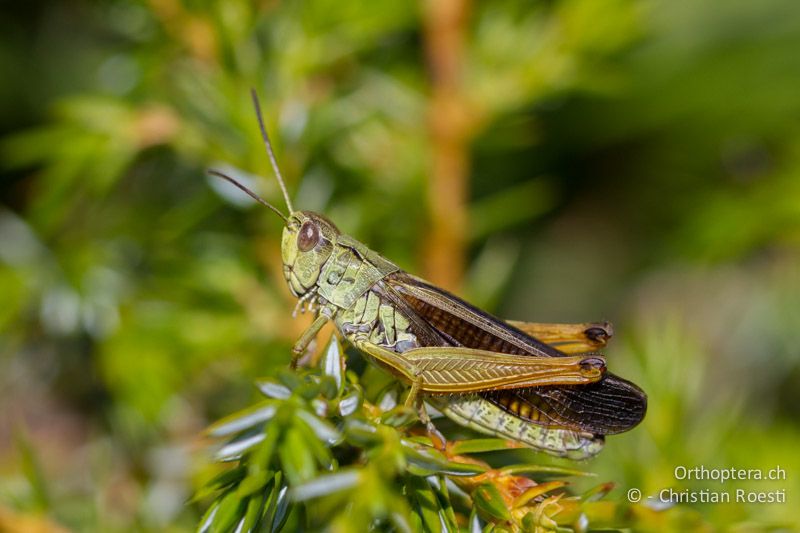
<point x="325" y="485"/>
<point x="323" y="430"/>
<point x="289" y="378"/>
<point x="235" y="448"/>
<point x="328" y="388"/>
<point x="481" y="445"/>
<point x="425" y="461"/>
<point x="474" y="521"/>
<point x="281" y="508"/>
<point x="253" y="482"/>
<point x="321" y="450"/>
<point x="361" y="433"/>
<point x="208" y="518"/>
<point x="296" y="457"/>
<point x="309" y="390"/>
<point x="244" y="419"/>
<point x="271" y="502"/>
<point x="544" y="469"/>
<point x="426" y="502"/>
<point x="597" y="492"/>
<point x="401" y="522"/>
<point x="488" y="501"/>
<point x="332" y="363"/>
<point x="270" y="389"/>
<point x="254" y="508"/>
<point x="350" y="403"/>
<point x="529" y="522"/>
<point x="229" y="512"/>
<point x="221" y="481"/>
<point x="400" y="416"/>
<point x="440" y="487"/>
<point x="262" y="455"/>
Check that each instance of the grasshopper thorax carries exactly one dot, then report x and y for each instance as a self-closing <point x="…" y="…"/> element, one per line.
<point x="307" y="243"/>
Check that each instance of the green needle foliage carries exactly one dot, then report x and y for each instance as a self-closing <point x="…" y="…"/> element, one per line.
<point x="313" y="440"/>
<point x="324" y="452"/>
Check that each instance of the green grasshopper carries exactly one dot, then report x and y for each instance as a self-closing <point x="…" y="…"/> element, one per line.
<point x="542" y="385"/>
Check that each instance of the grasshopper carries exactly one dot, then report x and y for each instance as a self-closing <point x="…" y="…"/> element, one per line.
<point x="542" y="385"/>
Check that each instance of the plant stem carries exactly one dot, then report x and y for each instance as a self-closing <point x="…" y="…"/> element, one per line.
<point x="448" y="189"/>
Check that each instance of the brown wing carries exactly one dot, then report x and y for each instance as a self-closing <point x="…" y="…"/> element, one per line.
<point x="612" y="405"/>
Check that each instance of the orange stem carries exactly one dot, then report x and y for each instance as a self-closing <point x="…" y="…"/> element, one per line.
<point x="448" y="190"/>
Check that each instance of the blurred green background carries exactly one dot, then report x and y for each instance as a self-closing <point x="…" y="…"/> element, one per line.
<point x="570" y="160"/>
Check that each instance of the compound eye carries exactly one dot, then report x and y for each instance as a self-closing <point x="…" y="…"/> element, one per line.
<point x="308" y="237"/>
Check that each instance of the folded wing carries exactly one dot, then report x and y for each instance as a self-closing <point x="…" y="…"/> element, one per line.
<point x="611" y="405"/>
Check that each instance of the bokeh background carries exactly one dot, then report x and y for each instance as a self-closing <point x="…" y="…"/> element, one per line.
<point x="570" y="160"/>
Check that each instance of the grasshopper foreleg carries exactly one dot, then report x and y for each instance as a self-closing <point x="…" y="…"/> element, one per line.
<point x="326" y="313"/>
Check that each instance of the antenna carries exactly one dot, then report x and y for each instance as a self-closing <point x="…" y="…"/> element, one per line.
<point x="271" y="154"/>
<point x="253" y="195"/>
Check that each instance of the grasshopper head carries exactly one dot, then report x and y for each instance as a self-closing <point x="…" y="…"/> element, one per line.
<point x="307" y="243"/>
<point x="308" y="238"/>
